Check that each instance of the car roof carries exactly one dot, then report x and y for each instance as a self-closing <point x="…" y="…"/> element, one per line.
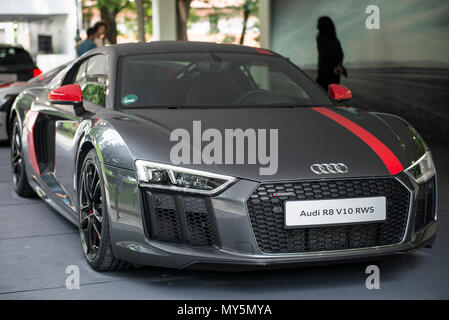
<point x="15" y="46"/>
<point x="179" y="46"/>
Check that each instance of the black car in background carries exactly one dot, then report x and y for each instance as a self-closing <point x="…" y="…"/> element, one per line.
<point x="9" y="91"/>
<point x="16" y="64"/>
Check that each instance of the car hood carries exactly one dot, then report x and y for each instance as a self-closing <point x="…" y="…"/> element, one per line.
<point x="305" y="137"/>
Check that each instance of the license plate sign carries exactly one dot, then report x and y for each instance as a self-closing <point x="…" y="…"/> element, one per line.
<point x="311" y="213"/>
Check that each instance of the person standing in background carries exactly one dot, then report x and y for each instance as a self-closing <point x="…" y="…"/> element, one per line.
<point x="98" y="36"/>
<point x="100" y="40"/>
<point x="88" y="43"/>
<point x="330" y="54"/>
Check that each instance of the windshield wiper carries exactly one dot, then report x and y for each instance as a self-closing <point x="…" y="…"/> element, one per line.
<point x="169" y="106"/>
<point x="277" y="105"/>
<point x="285" y="105"/>
<point x="273" y="105"/>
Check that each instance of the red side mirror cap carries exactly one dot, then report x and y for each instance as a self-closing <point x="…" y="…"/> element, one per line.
<point x="339" y="93"/>
<point x="70" y="93"/>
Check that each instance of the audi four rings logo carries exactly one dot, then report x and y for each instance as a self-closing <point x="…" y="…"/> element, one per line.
<point x="329" y="168"/>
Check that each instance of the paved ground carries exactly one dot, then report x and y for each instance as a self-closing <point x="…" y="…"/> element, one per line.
<point x="36" y="246"/>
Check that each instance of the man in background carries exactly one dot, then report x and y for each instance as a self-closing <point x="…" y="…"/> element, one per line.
<point x="88" y="43"/>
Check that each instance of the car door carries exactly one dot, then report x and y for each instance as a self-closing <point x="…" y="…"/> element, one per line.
<point x="91" y="76"/>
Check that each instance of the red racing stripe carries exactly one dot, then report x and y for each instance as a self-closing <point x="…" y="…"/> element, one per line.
<point x="389" y="159"/>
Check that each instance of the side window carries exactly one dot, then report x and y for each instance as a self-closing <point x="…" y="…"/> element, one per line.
<point x="276" y="82"/>
<point x="91" y="77"/>
<point x="81" y="73"/>
<point x="95" y="86"/>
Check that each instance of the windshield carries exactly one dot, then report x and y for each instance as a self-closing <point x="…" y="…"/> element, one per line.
<point x="213" y="80"/>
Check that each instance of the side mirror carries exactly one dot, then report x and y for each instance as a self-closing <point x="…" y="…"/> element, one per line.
<point x="69" y="94"/>
<point x="339" y="93"/>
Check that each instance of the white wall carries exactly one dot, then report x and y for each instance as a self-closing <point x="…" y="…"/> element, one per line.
<point x="37" y="7"/>
<point x="265" y="23"/>
<point x="57" y="18"/>
<point x="7" y="31"/>
<point x="164" y="19"/>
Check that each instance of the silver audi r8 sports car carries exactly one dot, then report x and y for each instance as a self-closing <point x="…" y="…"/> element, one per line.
<point x="203" y="155"/>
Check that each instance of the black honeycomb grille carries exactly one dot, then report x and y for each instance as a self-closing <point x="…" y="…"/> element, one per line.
<point x="167" y="226"/>
<point x="266" y="213"/>
<point x="40" y="141"/>
<point x="425" y="208"/>
<point x="178" y="218"/>
<point x="198" y="223"/>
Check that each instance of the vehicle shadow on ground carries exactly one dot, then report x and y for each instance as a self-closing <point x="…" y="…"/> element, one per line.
<point x="254" y="282"/>
<point x="293" y="279"/>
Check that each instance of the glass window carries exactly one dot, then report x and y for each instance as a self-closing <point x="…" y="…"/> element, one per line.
<point x="81" y="74"/>
<point x="214" y="79"/>
<point x="92" y="79"/>
<point x="97" y="65"/>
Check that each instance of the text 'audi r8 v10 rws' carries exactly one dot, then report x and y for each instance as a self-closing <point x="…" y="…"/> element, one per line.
<point x="204" y="155"/>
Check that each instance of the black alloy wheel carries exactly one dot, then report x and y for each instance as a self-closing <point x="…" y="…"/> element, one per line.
<point x="91" y="209"/>
<point x="93" y="217"/>
<point x="19" y="177"/>
<point x="16" y="154"/>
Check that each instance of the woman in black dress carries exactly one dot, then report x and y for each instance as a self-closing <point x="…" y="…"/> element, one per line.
<point x="330" y="54"/>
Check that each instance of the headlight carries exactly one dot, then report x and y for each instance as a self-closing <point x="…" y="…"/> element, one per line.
<point x="423" y="169"/>
<point x="162" y="176"/>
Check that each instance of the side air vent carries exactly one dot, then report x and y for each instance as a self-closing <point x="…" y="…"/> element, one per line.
<point x="425" y="208"/>
<point x="44" y="135"/>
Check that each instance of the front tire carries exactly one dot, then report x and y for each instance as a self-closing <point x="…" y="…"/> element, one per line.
<point x="94" y="223"/>
<point x="19" y="176"/>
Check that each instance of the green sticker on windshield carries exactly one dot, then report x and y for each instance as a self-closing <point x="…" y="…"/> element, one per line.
<point x="128" y="99"/>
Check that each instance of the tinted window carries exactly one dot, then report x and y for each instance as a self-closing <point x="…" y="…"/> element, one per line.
<point x="92" y="78"/>
<point x="214" y="79"/>
<point x="14" y="56"/>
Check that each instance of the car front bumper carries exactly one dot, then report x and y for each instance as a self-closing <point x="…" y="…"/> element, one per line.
<point x="235" y="244"/>
<point x="185" y="257"/>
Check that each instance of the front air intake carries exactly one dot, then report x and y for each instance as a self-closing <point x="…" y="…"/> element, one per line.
<point x="177" y="218"/>
<point x="425" y="208"/>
